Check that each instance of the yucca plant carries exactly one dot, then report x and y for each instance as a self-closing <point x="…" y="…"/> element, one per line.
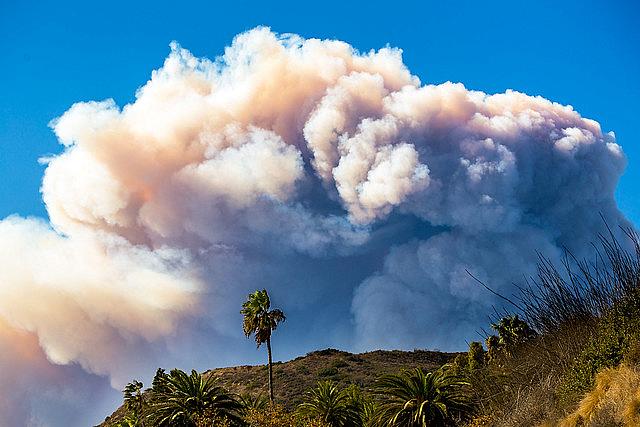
<point x="180" y="399"/>
<point x="422" y="399"/>
<point x="329" y="404"/>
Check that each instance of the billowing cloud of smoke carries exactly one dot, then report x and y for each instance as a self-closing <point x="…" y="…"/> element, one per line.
<point x="335" y="179"/>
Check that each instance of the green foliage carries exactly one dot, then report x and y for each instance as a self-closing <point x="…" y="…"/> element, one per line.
<point x="328" y="372"/>
<point x="334" y="406"/>
<point x="182" y="400"/>
<point x="613" y="340"/>
<point x="159" y="381"/>
<point x="632" y="355"/>
<point x="366" y="409"/>
<point x="340" y="363"/>
<point x="493" y="347"/>
<point x="134" y="403"/>
<point x="257" y="402"/>
<point x="258" y="319"/>
<point x="128" y="421"/>
<point x="460" y="364"/>
<point x="271" y="416"/>
<point x="512" y="331"/>
<point x="419" y="399"/>
<point x="476" y="356"/>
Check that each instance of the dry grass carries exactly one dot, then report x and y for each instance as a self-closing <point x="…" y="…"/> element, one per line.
<point x="294" y="378"/>
<point x="519" y="390"/>
<point x="614" y="401"/>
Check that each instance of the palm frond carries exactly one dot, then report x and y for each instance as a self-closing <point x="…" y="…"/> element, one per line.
<point x="181" y="399"/>
<point x="420" y="399"/>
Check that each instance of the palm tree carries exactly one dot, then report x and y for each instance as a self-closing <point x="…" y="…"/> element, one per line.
<point x="260" y="321"/>
<point x="419" y="399"/>
<point x="328" y="403"/>
<point x="364" y="407"/>
<point x="134" y="402"/>
<point x="252" y="403"/>
<point x="512" y="331"/>
<point x="180" y="399"/>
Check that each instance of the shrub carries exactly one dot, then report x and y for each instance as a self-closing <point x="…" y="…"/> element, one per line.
<point x="340" y="363"/>
<point x="134" y="403"/>
<point x="271" y="416"/>
<point x="493" y="347"/>
<point x="476" y="356"/>
<point x="512" y="331"/>
<point x="612" y="340"/>
<point x="328" y="372"/>
<point x="586" y="318"/>
<point x="460" y="364"/>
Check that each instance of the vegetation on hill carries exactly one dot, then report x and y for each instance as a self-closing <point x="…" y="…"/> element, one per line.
<point x="580" y="321"/>
<point x="297" y="377"/>
<point x="568" y="355"/>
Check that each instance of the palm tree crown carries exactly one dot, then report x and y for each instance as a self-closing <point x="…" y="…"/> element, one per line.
<point x="258" y="319"/>
<point x="419" y="399"/>
<point x="512" y="331"/>
<point x="180" y="399"/>
<point x="331" y="405"/>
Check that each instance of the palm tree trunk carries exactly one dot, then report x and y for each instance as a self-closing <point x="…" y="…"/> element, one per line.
<point x="270" y="371"/>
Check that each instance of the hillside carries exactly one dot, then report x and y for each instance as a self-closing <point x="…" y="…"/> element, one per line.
<point x="293" y="378"/>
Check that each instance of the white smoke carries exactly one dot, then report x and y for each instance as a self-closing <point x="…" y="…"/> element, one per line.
<point x="355" y="194"/>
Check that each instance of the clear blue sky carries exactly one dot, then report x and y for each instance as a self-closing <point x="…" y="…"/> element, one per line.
<point x="583" y="53"/>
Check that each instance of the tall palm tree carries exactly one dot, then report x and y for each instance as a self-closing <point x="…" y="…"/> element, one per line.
<point x="260" y="321"/>
<point x="328" y="403"/>
<point x="419" y="399"/>
<point x="182" y="400"/>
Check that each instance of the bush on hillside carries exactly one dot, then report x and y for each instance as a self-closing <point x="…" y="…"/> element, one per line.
<point x="582" y="317"/>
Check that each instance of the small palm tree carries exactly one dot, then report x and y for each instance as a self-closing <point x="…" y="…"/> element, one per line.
<point x="363" y="406"/>
<point x="180" y="399"/>
<point x="369" y="414"/>
<point x="419" y="399"/>
<point x="330" y="404"/>
<point x="260" y="321"/>
<point x="251" y="403"/>
<point x="512" y="331"/>
<point x="134" y="402"/>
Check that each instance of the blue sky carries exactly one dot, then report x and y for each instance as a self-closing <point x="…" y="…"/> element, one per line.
<point x="583" y="53"/>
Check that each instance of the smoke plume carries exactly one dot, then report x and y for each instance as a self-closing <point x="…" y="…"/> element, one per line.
<point x="357" y="195"/>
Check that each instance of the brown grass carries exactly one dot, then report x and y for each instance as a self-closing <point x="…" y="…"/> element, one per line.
<point x="615" y="400"/>
<point x="519" y="390"/>
<point x="294" y="378"/>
